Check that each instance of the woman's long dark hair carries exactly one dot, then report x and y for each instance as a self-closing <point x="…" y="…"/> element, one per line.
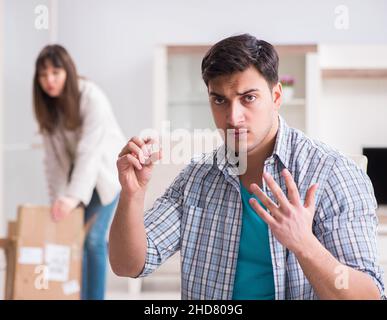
<point x="49" y="110"/>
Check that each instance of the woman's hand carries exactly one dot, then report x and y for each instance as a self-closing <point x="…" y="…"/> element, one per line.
<point x="62" y="207"/>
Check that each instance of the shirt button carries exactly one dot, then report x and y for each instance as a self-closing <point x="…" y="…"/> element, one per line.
<point x="279" y="264"/>
<point x="271" y="161"/>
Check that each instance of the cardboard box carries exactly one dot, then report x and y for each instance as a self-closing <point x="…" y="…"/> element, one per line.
<point x="44" y="258"/>
<point x="10" y="251"/>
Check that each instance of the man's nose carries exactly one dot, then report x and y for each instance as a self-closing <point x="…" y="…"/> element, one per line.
<point x="235" y="116"/>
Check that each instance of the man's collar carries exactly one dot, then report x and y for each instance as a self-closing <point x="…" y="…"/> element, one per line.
<point x="282" y="149"/>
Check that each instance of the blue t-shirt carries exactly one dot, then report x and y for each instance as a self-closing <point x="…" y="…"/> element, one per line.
<point x="254" y="278"/>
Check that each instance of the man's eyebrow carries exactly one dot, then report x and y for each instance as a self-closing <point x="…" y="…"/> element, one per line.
<point x="247" y="91"/>
<point x="212" y="93"/>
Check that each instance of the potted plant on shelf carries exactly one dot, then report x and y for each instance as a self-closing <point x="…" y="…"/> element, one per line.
<point x="287" y="82"/>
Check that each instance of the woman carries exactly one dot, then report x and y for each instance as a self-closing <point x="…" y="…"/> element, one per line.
<point x="81" y="141"/>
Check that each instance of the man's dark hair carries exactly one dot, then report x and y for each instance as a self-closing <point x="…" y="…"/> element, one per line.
<point x="238" y="53"/>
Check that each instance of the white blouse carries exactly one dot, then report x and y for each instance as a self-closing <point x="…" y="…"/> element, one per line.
<point x="88" y="153"/>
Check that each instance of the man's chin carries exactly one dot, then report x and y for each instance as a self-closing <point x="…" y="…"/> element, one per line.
<point x="242" y="148"/>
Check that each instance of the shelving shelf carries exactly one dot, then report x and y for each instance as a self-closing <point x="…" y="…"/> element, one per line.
<point x="353" y="73"/>
<point x="181" y="97"/>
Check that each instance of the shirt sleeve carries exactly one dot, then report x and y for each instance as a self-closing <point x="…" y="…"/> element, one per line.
<point x="162" y="225"/>
<point x="347" y="221"/>
<point x="56" y="174"/>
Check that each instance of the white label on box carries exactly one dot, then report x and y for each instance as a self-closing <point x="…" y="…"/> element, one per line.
<point x="58" y="261"/>
<point x="71" y="287"/>
<point x="30" y="255"/>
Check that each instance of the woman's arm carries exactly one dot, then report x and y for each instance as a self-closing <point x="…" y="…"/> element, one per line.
<point x="95" y="117"/>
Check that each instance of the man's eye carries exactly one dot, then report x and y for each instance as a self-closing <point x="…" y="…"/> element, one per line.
<point x="218" y="101"/>
<point x="249" y="98"/>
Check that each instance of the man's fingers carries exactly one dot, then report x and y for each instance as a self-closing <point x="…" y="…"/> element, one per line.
<point x="149" y="140"/>
<point x="266" y="201"/>
<point x="293" y="194"/>
<point x="125" y="149"/>
<point x="140" y="142"/>
<point x="154" y="157"/>
<point x="276" y="190"/>
<point x="136" y="151"/>
<point x="129" y="159"/>
<point x="137" y="143"/>
<point x="265" y="216"/>
<point x="145" y="144"/>
<point x="310" y="196"/>
<point x="134" y="161"/>
<point x="129" y="146"/>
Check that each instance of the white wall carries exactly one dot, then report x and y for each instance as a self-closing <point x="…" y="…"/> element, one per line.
<point x="113" y="42"/>
<point x="1" y="115"/>
<point x="23" y="171"/>
<point x="2" y="218"/>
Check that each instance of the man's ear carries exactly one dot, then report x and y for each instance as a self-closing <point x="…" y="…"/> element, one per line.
<point x="277" y="95"/>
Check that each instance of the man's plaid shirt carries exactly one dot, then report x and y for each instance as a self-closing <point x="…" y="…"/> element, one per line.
<point x="200" y="214"/>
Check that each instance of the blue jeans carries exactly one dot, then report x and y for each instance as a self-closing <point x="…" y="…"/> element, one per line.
<point x="95" y="249"/>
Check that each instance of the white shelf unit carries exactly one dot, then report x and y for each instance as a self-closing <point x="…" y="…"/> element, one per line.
<point x="353" y="96"/>
<point x="353" y="106"/>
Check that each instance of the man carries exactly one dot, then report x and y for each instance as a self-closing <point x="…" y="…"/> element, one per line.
<point x="298" y="223"/>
